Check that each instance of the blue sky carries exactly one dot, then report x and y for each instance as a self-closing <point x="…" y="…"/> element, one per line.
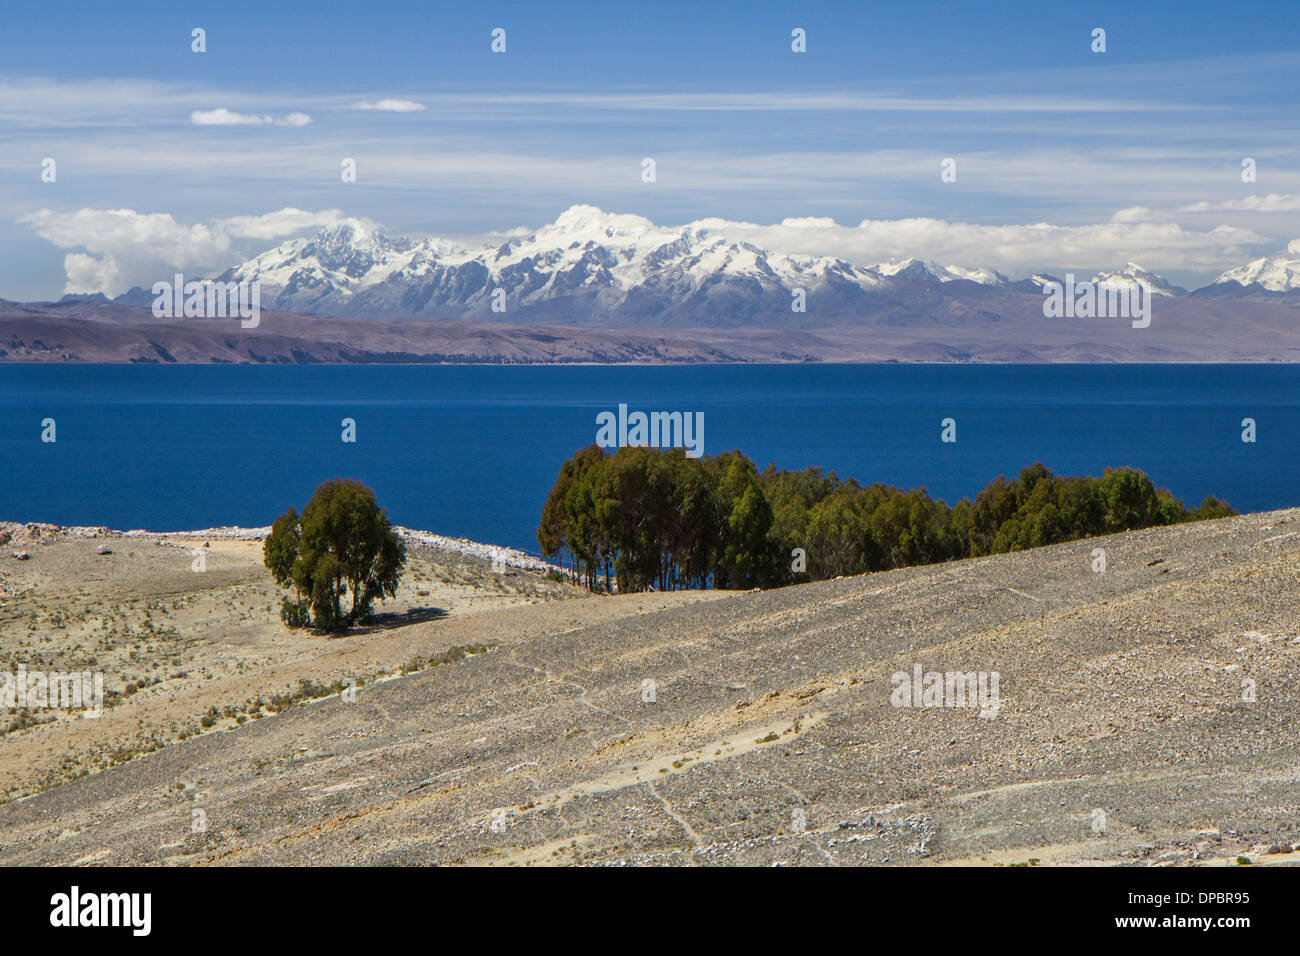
<point x="1066" y="159"/>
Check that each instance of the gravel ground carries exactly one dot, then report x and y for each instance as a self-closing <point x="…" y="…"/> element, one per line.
<point x="1145" y="715"/>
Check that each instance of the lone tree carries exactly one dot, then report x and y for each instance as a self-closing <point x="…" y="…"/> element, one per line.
<point x="342" y="547"/>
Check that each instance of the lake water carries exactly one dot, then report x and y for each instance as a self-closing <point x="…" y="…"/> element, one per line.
<point x="471" y="451"/>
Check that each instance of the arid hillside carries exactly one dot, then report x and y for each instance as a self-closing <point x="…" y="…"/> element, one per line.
<point x="1144" y="714"/>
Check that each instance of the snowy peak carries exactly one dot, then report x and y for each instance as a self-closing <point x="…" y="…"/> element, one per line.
<point x="914" y="268"/>
<point x="1274" y="274"/>
<point x="591" y="224"/>
<point x="345" y="253"/>
<point x="1134" y="276"/>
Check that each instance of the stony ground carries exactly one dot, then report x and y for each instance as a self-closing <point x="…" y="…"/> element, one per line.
<point x="187" y="633"/>
<point x="1147" y="714"/>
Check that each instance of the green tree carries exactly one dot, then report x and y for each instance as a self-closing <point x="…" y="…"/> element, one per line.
<point x="629" y="514"/>
<point x="837" y="536"/>
<point x="795" y="497"/>
<point x="279" y="554"/>
<point x="1212" y="507"/>
<point x="688" y="516"/>
<point x="343" y="546"/>
<point x="746" y="555"/>
<point x="1129" y="498"/>
<point x="993" y="508"/>
<point x="280" y="549"/>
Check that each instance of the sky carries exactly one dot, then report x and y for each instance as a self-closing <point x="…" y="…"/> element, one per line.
<point x="1065" y="158"/>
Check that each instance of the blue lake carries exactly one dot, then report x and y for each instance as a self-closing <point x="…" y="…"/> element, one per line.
<point x="471" y="451"/>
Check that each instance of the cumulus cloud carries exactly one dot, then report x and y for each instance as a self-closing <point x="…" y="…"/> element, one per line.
<point x="1137" y="214"/>
<point x="1273" y="202"/>
<point x="112" y="250"/>
<point x="224" y="117"/>
<point x="809" y="222"/>
<point x="284" y="222"/>
<point x="390" y="106"/>
<point x="1016" y="249"/>
<point x="1134" y="234"/>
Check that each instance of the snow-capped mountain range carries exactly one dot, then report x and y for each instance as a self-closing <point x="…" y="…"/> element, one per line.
<point x="590" y="266"/>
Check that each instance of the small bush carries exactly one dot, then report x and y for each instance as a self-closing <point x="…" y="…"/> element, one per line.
<point x="295" y="613"/>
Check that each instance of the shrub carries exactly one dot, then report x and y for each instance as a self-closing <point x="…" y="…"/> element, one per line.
<point x="295" y="613"/>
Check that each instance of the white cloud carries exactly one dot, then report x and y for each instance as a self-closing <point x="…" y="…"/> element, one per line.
<point x="88" y="274"/>
<point x="225" y="117"/>
<point x="1016" y="249"/>
<point x="390" y="106"/>
<point x="1137" y="214"/>
<point x="283" y="222"/>
<point x="1273" y="202"/>
<point x="809" y="222"/>
<point x="125" y="248"/>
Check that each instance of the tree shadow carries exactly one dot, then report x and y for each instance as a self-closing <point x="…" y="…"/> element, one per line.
<point x="387" y="621"/>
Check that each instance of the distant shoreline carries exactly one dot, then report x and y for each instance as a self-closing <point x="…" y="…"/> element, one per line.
<point x="1241" y="331"/>
<point x="510" y="557"/>
<point x="682" y="364"/>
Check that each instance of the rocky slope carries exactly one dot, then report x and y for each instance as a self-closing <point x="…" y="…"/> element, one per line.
<point x="1147" y="714"/>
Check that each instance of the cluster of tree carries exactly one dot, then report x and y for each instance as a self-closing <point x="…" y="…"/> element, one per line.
<point x="1040" y="508"/>
<point x="660" y="519"/>
<point x="657" y="519"/>
<point x="342" y="547"/>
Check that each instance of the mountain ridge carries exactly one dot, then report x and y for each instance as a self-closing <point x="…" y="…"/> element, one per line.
<point x="599" y="268"/>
